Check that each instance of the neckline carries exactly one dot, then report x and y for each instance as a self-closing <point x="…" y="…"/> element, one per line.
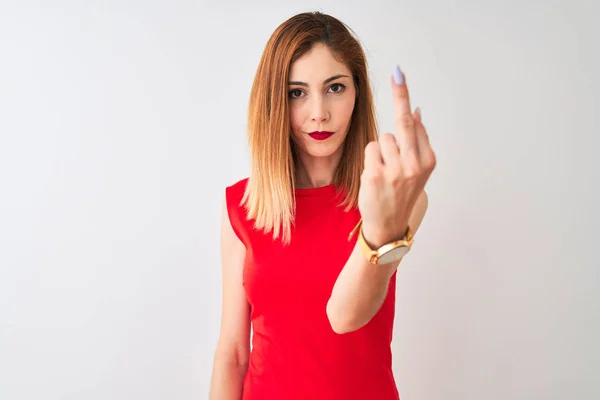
<point x="327" y="189"/>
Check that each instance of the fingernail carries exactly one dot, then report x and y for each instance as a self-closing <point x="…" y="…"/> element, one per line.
<point x="418" y="111"/>
<point x="398" y="75"/>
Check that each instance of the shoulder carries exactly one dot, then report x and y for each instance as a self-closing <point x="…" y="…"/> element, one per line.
<point x="232" y="208"/>
<point x="235" y="190"/>
<point x="239" y="184"/>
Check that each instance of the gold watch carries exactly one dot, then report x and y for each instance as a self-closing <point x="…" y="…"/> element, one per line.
<point x="389" y="252"/>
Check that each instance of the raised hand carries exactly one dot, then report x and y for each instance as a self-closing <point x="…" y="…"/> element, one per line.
<point x="396" y="170"/>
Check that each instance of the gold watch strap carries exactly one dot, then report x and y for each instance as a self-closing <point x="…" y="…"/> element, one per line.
<point x="356" y="228"/>
<point x="408" y="237"/>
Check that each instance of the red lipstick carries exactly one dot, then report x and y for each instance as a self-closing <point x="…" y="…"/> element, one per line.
<point x="320" y="135"/>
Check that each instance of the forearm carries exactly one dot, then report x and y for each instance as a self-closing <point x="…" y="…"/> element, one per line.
<point x="227" y="379"/>
<point x="361" y="287"/>
<point x="358" y="293"/>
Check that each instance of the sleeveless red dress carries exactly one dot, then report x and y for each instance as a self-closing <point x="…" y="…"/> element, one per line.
<point x="295" y="353"/>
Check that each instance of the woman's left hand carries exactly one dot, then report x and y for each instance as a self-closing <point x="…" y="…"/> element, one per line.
<point x="396" y="170"/>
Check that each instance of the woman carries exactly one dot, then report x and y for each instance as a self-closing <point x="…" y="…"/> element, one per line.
<point x="311" y="241"/>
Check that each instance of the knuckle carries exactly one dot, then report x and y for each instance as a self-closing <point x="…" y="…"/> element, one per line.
<point x="371" y="177"/>
<point x="405" y="120"/>
<point x="431" y="162"/>
<point x="394" y="173"/>
<point x="371" y="146"/>
<point x="388" y="137"/>
<point x="412" y="171"/>
<point x="395" y="178"/>
<point x="403" y="92"/>
<point x="387" y="140"/>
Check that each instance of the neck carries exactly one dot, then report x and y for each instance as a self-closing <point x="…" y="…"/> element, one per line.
<point x="314" y="172"/>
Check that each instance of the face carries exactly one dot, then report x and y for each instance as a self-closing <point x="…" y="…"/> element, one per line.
<point x="321" y="99"/>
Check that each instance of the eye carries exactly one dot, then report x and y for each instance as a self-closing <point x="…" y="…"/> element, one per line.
<point x="337" y="88"/>
<point x="295" y="93"/>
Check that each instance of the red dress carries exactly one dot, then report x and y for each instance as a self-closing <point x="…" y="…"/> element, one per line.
<point x="295" y="353"/>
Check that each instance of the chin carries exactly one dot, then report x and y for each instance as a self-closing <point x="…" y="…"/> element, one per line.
<point x="320" y="151"/>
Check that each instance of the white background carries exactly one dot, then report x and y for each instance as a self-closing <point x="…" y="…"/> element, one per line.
<point x="121" y="123"/>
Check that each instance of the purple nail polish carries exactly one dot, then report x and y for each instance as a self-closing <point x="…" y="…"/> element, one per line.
<point x="398" y="75"/>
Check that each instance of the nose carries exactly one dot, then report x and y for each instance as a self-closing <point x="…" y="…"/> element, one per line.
<point x="318" y="109"/>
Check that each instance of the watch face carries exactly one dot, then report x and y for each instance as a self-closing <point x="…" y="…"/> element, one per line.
<point x="393" y="255"/>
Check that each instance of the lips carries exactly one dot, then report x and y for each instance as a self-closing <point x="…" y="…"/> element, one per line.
<point x="320" y="135"/>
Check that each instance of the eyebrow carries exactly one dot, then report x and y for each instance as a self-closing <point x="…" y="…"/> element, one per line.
<point x="326" y="81"/>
